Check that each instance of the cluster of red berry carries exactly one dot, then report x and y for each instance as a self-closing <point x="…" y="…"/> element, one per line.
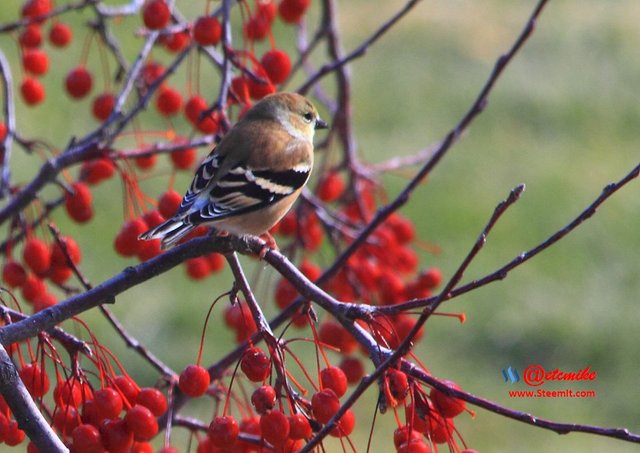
<point x="118" y="417"/>
<point x="39" y="262"/>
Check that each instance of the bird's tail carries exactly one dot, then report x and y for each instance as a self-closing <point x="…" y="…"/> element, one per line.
<point x="169" y="232"/>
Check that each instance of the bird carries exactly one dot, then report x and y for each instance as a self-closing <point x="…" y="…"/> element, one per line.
<point x="252" y="177"/>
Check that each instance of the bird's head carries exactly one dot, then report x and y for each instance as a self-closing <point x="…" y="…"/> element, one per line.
<point x="295" y="112"/>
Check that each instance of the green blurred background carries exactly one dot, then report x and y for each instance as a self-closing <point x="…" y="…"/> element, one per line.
<point x="564" y="119"/>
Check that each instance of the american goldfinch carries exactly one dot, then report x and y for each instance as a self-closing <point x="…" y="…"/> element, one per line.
<point x="251" y="179"/>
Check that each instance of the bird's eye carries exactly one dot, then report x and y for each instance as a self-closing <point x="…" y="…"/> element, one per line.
<point x="308" y="117"/>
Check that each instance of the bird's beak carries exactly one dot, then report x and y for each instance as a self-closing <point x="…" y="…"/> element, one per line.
<point x="321" y="124"/>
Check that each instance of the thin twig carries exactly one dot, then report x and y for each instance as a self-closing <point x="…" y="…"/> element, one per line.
<point x="9" y="114"/>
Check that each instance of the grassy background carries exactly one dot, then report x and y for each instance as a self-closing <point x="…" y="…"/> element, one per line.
<point x="563" y="119"/>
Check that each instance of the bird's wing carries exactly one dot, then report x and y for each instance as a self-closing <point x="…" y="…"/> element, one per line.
<point x="249" y="170"/>
<point x="244" y="189"/>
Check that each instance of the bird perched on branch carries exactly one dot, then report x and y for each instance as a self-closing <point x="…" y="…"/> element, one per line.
<point x="254" y="175"/>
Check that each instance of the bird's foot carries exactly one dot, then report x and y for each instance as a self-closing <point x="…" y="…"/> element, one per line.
<point x="269" y="244"/>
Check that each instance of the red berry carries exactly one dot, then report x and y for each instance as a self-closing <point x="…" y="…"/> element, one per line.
<point x="153" y="218"/>
<point x="285" y="293"/>
<point x="149" y="249"/>
<point x="32" y="91"/>
<point x="256" y="28"/>
<point x="404" y="259"/>
<point x="335" y="335"/>
<point x="274" y="427"/>
<point x="240" y="89"/>
<point x="175" y="42"/>
<point x="35" y="61"/>
<point x="169" y="203"/>
<point x="277" y="64"/>
<point x="97" y="170"/>
<point x="33" y="288"/>
<point x="249" y="426"/>
<point x="416" y="417"/>
<point x="391" y="287"/>
<point x="398" y="384"/>
<point x="127" y="388"/>
<point x="266" y="9"/>
<point x="156" y="14"/>
<point x="263" y="399"/>
<point x="86" y="439"/>
<point x="234" y="316"/>
<point x="288" y="226"/>
<point x="310" y="270"/>
<point x="60" y="35"/>
<point x="239" y="317"/>
<point x="14" y="436"/>
<point x="414" y="446"/>
<point x="59" y="274"/>
<point x="184" y="159"/>
<point x="68" y="393"/>
<point x="207" y="31"/>
<point x="325" y="404"/>
<point x="66" y="419"/>
<point x="45" y="301"/>
<point x="151" y="71"/>
<point x="261" y="86"/>
<point x="440" y="429"/>
<point x="198" y="268"/>
<point x="146" y="162"/>
<point x="3" y="130"/>
<point x="432" y="278"/>
<point x="331" y="187"/>
<point x="291" y="11"/>
<point x="141" y="422"/>
<point x="108" y="403"/>
<point x="33" y="9"/>
<point x="404" y="323"/>
<point x="404" y="434"/>
<point x="353" y="369"/>
<point x="36" y="255"/>
<point x="168" y="101"/>
<point x="4" y="425"/>
<point x="255" y="364"/>
<point x="300" y="428"/>
<point x="78" y="203"/>
<point x="345" y="425"/>
<point x="334" y="378"/>
<point x="31" y="36"/>
<point x="193" y="110"/>
<point x="35" y="380"/>
<point x="127" y="242"/>
<point x="103" y="106"/>
<point x="153" y="399"/>
<point x="78" y="82"/>
<point x="13" y="274"/>
<point x="116" y="436"/>
<point x="216" y="261"/>
<point x="448" y="406"/>
<point x="59" y="255"/>
<point x="402" y="228"/>
<point x="223" y="431"/>
<point x="194" y="380"/>
<point x="194" y="107"/>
